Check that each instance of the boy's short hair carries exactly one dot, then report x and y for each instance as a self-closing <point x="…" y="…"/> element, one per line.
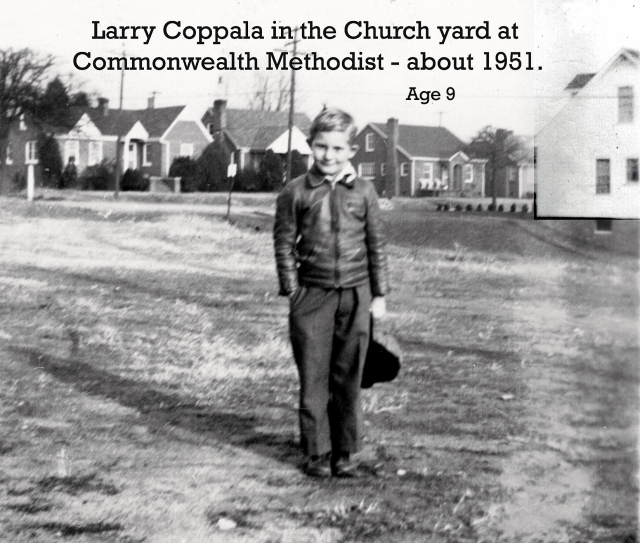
<point x="332" y="120"/>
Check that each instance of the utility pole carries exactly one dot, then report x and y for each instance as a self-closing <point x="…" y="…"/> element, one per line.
<point x="119" y="152"/>
<point x="292" y="103"/>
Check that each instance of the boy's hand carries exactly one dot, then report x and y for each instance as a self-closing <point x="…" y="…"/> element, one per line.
<point x="378" y="307"/>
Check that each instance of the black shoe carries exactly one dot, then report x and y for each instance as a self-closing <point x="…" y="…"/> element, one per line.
<point x="319" y="466"/>
<point x="343" y="465"/>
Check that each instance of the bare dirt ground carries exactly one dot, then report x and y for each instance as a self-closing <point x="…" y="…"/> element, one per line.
<point x="148" y="392"/>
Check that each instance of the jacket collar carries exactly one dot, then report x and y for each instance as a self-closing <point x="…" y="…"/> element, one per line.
<point x="347" y="176"/>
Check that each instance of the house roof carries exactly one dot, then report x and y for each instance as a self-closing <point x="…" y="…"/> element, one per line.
<point x="259" y="129"/>
<point x="120" y="121"/>
<point x="579" y="81"/>
<point x="425" y="141"/>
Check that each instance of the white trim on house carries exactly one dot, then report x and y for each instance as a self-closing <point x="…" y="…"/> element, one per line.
<point x="167" y="157"/>
<point x="369" y="147"/>
<point x="97" y="157"/>
<point x="413" y="177"/>
<point x="8" y="154"/>
<point x="462" y="154"/>
<point x="467" y="168"/>
<point x="31" y="152"/>
<point x="145" y="154"/>
<point x="403" y="166"/>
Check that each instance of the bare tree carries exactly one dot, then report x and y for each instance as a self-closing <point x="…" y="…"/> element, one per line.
<point x="269" y="94"/>
<point x="501" y="149"/>
<point x="22" y="76"/>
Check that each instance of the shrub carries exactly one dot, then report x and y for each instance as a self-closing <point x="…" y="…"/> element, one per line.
<point x="211" y="169"/>
<point x="479" y="208"/>
<point x="439" y="207"/>
<point x="246" y="181"/>
<point x="134" y="180"/>
<point x="458" y="207"/>
<point x="270" y="172"/>
<point x="298" y="164"/>
<point x="525" y="208"/>
<point x="500" y="208"/>
<point x="69" y="177"/>
<point x="99" y="176"/>
<point x="51" y="162"/>
<point x="491" y="207"/>
<point x="185" y="168"/>
<point x="513" y="208"/>
<point x="445" y="207"/>
<point x="469" y="207"/>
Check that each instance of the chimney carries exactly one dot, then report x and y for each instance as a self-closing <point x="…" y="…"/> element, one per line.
<point x="103" y="106"/>
<point x="151" y="101"/>
<point x="392" y="179"/>
<point x="219" y="115"/>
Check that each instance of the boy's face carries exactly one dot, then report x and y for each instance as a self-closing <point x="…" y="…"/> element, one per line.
<point x="331" y="151"/>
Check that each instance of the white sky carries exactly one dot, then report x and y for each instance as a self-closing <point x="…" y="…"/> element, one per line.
<point x="571" y="36"/>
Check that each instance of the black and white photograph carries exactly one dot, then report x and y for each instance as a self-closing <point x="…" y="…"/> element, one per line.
<point x="319" y="272"/>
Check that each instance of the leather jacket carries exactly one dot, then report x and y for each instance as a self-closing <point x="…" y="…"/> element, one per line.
<point x="329" y="236"/>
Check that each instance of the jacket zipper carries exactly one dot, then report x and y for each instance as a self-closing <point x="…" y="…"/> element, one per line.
<point x="335" y="227"/>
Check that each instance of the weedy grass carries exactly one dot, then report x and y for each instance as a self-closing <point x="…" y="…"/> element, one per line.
<point x="154" y="350"/>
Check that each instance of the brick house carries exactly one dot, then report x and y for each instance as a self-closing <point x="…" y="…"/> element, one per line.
<point x="430" y="160"/>
<point x="247" y="134"/>
<point x="150" y="139"/>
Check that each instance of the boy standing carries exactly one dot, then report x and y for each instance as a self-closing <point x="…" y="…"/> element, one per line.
<point x="331" y="264"/>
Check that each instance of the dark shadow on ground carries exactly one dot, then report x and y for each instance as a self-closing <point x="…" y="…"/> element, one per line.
<point x="160" y="408"/>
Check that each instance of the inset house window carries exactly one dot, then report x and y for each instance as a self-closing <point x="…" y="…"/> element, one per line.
<point x="186" y="149"/>
<point x="31" y="153"/>
<point x="603" y="176"/>
<point x="632" y="170"/>
<point x="71" y="150"/>
<point x="404" y="169"/>
<point x="367" y="169"/>
<point x="211" y="129"/>
<point x="9" y="159"/>
<point x="604" y="226"/>
<point x="368" y="142"/>
<point x="95" y="152"/>
<point x="145" y="155"/>
<point x="383" y="169"/>
<point x="467" y="173"/>
<point x="625" y="104"/>
<point x="23" y="124"/>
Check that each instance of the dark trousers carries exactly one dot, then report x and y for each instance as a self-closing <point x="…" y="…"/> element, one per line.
<point x="330" y="335"/>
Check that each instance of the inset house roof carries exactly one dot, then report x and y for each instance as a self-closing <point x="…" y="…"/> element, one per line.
<point x="579" y="81"/>
<point x="259" y="129"/>
<point x="425" y="141"/>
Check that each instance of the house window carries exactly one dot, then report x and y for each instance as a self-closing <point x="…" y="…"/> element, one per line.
<point x="31" y="153"/>
<point x="632" y="170"/>
<point x="95" y="152"/>
<point x="427" y="173"/>
<point x="404" y="169"/>
<point x="625" y="104"/>
<point x="383" y="169"/>
<point x="604" y="226"/>
<point x="467" y="173"/>
<point x="603" y="176"/>
<point x="9" y="154"/>
<point x="186" y="149"/>
<point x="368" y="142"/>
<point x="367" y="169"/>
<point x="71" y="150"/>
<point x="23" y="124"/>
<point x="145" y="155"/>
